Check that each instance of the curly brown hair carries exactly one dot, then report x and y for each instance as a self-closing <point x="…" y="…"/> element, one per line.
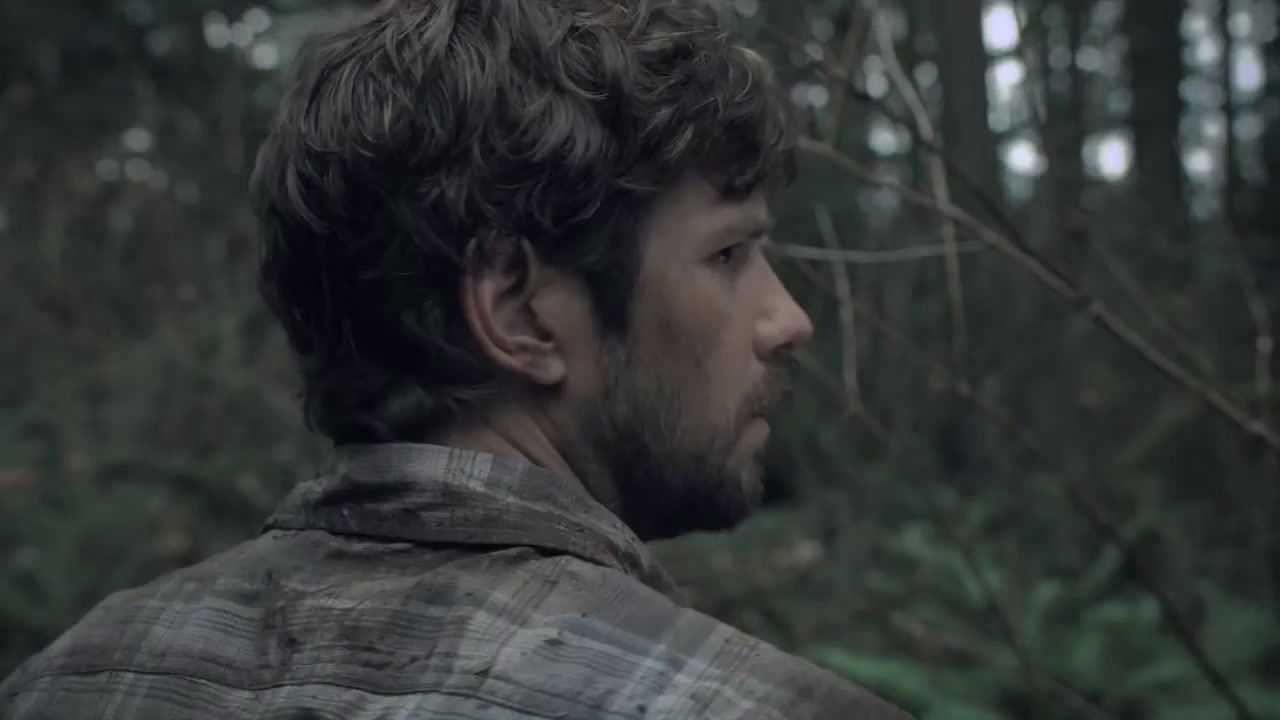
<point x="432" y="128"/>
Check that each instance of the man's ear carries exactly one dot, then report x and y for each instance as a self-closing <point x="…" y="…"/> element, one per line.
<point x="503" y="302"/>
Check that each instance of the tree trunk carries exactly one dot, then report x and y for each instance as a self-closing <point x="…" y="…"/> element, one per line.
<point x="1065" y="130"/>
<point x="974" y="183"/>
<point x="1264" y="252"/>
<point x="1156" y="69"/>
<point x="1230" y="168"/>
<point x="962" y="65"/>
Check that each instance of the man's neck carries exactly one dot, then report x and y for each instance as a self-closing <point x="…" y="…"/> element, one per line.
<point x="522" y="436"/>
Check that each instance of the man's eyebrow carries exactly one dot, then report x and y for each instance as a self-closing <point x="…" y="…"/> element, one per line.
<point x="754" y="227"/>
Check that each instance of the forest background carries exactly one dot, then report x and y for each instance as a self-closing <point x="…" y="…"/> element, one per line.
<point x="1032" y="468"/>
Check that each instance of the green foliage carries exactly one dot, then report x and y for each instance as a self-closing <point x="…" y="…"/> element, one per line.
<point x="931" y="691"/>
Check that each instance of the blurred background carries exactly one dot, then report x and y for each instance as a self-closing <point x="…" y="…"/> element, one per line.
<point x="1032" y="468"/>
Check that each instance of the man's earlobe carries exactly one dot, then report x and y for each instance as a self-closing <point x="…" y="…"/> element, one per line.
<point x="546" y="368"/>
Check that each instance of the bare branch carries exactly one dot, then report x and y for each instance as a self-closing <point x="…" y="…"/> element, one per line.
<point x="1261" y="512"/>
<point x="947" y="639"/>
<point x="937" y="176"/>
<point x="1036" y="92"/>
<point x="844" y="294"/>
<point x="1264" y="340"/>
<point x="1085" y="304"/>
<point x="849" y="53"/>
<point x="835" y="72"/>
<point x="1129" y="284"/>
<point x="869" y="257"/>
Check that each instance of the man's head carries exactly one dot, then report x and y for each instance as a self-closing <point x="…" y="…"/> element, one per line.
<point x="551" y="209"/>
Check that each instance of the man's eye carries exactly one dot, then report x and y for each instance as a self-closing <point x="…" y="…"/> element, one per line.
<point x="730" y="255"/>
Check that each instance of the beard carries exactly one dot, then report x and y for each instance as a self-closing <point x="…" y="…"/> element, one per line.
<point x="674" y="469"/>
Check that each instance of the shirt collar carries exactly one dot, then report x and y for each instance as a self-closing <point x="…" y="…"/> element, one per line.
<point x="434" y="494"/>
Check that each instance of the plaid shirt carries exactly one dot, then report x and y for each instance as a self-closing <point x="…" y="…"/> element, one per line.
<point x="417" y="581"/>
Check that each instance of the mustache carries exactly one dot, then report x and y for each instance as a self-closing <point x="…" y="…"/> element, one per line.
<point x="767" y="395"/>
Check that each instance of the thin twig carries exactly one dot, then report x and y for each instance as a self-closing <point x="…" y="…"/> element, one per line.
<point x="844" y="294"/>
<point x="806" y="361"/>
<point x="937" y="177"/>
<point x="1037" y="93"/>
<point x="989" y="205"/>
<point x="947" y="640"/>
<point x="1115" y="267"/>
<point x="1264" y="342"/>
<point x="1085" y="304"/>
<point x="869" y="257"/>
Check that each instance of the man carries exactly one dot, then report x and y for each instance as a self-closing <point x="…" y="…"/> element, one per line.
<point x="517" y="248"/>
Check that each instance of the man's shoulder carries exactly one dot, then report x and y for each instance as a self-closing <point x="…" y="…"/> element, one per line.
<point x="678" y="662"/>
<point x="296" y="620"/>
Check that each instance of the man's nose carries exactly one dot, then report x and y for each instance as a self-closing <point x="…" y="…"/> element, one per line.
<point x="784" y="326"/>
